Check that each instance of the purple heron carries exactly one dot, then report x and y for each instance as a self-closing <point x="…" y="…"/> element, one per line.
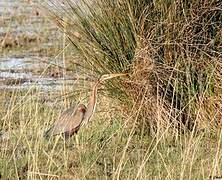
<point x="73" y="118"/>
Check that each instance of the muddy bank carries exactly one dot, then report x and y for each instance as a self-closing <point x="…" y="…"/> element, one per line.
<point x="28" y="45"/>
<point x="26" y="72"/>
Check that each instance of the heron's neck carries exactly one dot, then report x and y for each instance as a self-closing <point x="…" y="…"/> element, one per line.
<point x="92" y="103"/>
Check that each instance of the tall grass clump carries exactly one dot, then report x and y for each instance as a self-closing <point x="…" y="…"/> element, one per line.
<point x="171" y="50"/>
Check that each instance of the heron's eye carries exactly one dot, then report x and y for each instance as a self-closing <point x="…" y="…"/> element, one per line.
<point x="81" y="109"/>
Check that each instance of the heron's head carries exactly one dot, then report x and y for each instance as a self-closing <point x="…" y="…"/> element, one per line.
<point x="81" y="108"/>
<point x="110" y="76"/>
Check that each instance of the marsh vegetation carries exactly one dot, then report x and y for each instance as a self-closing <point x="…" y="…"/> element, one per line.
<point x="162" y="121"/>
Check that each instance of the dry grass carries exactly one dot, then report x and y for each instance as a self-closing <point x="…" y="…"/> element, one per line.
<point x="144" y="126"/>
<point x="109" y="147"/>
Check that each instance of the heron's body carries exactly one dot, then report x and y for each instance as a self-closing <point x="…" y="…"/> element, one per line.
<point x="68" y="123"/>
<point x="72" y="119"/>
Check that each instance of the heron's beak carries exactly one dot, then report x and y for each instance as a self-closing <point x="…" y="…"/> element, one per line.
<point x="110" y="76"/>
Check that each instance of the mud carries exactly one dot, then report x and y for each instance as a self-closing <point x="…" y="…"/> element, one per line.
<point x="28" y="42"/>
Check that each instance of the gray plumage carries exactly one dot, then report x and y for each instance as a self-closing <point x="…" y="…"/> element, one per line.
<point x="68" y="123"/>
<point x="71" y="120"/>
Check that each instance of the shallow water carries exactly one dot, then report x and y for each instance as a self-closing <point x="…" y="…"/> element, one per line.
<point x="22" y="71"/>
<point x="14" y="63"/>
<point x="25" y="71"/>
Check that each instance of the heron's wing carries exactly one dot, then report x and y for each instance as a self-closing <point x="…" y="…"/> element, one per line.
<point x="70" y="110"/>
<point x="68" y="122"/>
